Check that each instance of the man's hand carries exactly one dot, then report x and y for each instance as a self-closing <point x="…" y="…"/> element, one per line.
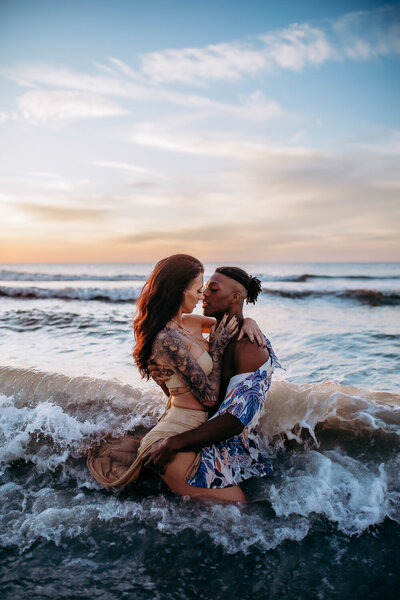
<point x="159" y="456"/>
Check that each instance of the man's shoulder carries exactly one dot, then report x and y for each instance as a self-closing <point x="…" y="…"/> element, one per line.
<point x="249" y="356"/>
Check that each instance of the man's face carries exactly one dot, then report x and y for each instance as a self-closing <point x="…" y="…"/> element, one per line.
<point x="218" y="295"/>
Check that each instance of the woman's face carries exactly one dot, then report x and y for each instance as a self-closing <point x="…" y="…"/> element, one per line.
<point x="193" y="294"/>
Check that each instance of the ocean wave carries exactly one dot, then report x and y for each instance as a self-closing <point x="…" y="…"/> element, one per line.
<point x="313" y="276"/>
<point x="364" y="296"/>
<point x="128" y="294"/>
<point x="8" y="275"/>
<point x="12" y="275"/>
<point x="35" y="319"/>
<point x="292" y="409"/>
<point x="84" y="294"/>
<point x="48" y="419"/>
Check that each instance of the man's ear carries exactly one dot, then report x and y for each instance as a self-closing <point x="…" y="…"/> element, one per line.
<point x="236" y="297"/>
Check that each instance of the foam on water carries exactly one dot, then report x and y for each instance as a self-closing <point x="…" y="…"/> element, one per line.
<point x="8" y="275"/>
<point x="125" y="294"/>
<point x="48" y="419"/>
<point x="371" y="297"/>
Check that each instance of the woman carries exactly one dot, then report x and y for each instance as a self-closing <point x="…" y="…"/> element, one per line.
<point x="166" y="330"/>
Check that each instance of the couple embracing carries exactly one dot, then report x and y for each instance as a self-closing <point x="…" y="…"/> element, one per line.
<point x="206" y="442"/>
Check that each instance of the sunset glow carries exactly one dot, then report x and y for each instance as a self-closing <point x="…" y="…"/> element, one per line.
<point x="261" y="132"/>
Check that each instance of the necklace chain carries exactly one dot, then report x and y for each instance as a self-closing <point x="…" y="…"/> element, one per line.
<point x="187" y="331"/>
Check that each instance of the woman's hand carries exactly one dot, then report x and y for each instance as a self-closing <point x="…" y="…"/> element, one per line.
<point x="252" y="331"/>
<point x="221" y="335"/>
<point x="159" y="373"/>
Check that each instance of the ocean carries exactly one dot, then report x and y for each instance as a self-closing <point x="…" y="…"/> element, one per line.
<point x="324" y="525"/>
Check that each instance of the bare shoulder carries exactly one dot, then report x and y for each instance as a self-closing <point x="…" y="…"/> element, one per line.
<point x="192" y="321"/>
<point x="198" y="323"/>
<point x="249" y="356"/>
<point x="198" y="320"/>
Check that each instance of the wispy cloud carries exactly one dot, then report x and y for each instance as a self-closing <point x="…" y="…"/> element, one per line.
<point x="62" y="213"/>
<point x="355" y="36"/>
<point x="369" y="34"/>
<point x="85" y="95"/>
<point x="214" y="144"/>
<point x="42" y="105"/>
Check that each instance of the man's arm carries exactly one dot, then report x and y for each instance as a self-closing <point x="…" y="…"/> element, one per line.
<point x="248" y="357"/>
<point x="211" y="432"/>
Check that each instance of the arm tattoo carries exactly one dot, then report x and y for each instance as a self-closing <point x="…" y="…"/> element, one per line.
<point x="171" y="346"/>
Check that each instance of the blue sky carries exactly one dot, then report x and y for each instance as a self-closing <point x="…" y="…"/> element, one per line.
<point x="258" y="131"/>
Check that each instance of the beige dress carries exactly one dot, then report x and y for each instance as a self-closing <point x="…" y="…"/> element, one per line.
<point x="118" y="462"/>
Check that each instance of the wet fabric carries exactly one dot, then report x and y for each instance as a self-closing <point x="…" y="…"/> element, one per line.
<point x="234" y="460"/>
<point x="118" y="462"/>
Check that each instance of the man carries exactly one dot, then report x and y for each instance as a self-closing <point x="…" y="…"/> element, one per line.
<point x="228" y="442"/>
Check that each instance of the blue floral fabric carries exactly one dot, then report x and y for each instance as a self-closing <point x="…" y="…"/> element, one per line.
<point x="232" y="461"/>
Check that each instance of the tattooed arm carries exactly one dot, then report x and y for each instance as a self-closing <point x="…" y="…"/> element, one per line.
<point x="171" y="347"/>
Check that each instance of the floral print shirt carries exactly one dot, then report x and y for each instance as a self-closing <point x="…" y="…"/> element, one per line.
<point x="238" y="458"/>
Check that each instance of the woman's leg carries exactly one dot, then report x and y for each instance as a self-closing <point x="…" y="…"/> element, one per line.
<point x="174" y="477"/>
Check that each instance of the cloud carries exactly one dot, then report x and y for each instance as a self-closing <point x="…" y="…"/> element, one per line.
<point x="42" y="105"/>
<point x="297" y="46"/>
<point x="130" y="168"/>
<point x="216" y="145"/>
<point x="84" y="90"/>
<point x="369" y="34"/>
<point x="11" y="115"/>
<point x="34" y="75"/>
<point x="62" y="213"/>
<point x="354" y="36"/>
<point x="220" y="61"/>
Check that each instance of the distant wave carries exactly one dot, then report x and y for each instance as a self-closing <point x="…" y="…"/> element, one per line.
<point x="7" y="275"/>
<point x="10" y="275"/>
<point x="364" y="296"/>
<point x="312" y="277"/>
<point x="34" y="319"/>
<point x="119" y="295"/>
<point x="86" y="294"/>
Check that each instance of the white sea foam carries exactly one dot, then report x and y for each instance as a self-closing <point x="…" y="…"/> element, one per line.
<point x="125" y="294"/>
<point x="8" y="275"/>
<point x="348" y="492"/>
<point x="291" y="409"/>
<point x="47" y="419"/>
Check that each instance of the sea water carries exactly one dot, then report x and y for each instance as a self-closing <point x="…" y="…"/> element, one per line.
<point x="324" y="525"/>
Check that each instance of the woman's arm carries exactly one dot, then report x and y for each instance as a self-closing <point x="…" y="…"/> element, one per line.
<point x="203" y="323"/>
<point x="171" y="347"/>
<point x="251" y="330"/>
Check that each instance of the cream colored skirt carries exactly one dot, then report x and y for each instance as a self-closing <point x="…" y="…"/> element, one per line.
<point x="118" y="462"/>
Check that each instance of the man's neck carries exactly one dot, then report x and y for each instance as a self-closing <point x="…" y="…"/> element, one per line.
<point x="234" y="310"/>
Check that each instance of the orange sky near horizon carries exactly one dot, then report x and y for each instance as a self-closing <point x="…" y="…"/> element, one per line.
<point x="274" y="137"/>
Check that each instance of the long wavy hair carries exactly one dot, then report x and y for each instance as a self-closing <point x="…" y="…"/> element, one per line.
<point x="160" y="299"/>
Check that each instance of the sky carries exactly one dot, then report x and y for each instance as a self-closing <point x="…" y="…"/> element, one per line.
<point x="230" y="130"/>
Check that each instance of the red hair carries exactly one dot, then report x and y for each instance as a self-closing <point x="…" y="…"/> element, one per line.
<point x="159" y="301"/>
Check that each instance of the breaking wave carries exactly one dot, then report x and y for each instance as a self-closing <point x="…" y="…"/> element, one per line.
<point x="334" y="450"/>
<point x="7" y="275"/>
<point x="364" y="296"/>
<point x="85" y="294"/>
<point x="129" y="294"/>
